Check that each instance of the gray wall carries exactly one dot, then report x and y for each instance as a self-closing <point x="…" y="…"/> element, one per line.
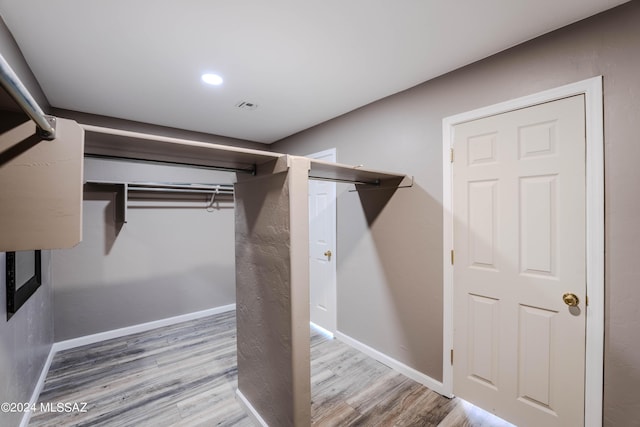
<point x="272" y="255"/>
<point x="164" y="262"/>
<point x="26" y="339"/>
<point x="395" y="306"/>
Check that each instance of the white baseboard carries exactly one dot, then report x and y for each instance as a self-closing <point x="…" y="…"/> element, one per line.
<point x="251" y="411"/>
<point x="39" y="386"/>
<point x="405" y="370"/>
<point x="134" y="329"/>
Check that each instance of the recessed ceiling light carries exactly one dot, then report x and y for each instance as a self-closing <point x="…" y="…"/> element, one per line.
<point x="212" y="79"/>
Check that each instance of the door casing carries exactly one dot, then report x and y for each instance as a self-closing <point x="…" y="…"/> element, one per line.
<point x="594" y="352"/>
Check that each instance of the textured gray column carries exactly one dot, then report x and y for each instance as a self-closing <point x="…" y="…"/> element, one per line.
<point x="272" y="293"/>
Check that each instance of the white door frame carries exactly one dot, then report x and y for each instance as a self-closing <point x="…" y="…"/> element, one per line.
<point x="334" y="282"/>
<point x="594" y="360"/>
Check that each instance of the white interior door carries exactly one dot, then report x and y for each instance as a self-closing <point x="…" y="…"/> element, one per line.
<point x="322" y="248"/>
<point x="519" y="242"/>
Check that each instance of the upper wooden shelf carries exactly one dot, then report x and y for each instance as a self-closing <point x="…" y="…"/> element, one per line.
<point x="354" y="174"/>
<point x="108" y="142"/>
<point x="115" y="143"/>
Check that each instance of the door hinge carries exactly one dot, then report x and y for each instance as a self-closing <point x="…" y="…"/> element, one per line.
<point x="586" y="300"/>
<point x="452" y="356"/>
<point x="452" y="256"/>
<point x="451" y="155"/>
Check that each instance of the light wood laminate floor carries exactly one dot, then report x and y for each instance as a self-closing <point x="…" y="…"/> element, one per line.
<point x="186" y="375"/>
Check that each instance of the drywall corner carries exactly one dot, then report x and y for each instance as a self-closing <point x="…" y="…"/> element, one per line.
<point x="272" y="294"/>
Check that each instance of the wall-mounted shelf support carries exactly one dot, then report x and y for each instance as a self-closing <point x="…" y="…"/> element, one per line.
<point x="405" y="182"/>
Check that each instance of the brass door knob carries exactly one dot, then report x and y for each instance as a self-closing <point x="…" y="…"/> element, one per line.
<point x="328" y="254"/>
<point x="570" y="299"/>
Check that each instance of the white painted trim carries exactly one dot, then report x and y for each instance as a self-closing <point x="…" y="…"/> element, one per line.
<point x="134" y="329"/>
<point x="251" y="411"/>
<point x="333" y="294"/>
<point x="39" y="386"/>
<point x="594" y="363"/>
<point x="594" y="359"/>
<point x="447" y="271"/>
<point x="405" y="370"/>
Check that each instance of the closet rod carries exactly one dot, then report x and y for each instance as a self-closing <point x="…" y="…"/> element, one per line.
<point x="180" y="190"/>
<point x="179" y="186"/>
<point x="250" y="171"/>
<point x="14" y="87"/>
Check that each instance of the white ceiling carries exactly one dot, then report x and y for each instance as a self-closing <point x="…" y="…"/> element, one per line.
<point x="301" y="61"/>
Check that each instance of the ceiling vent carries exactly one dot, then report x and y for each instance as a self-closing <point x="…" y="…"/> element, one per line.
<point x="246" y="105"/>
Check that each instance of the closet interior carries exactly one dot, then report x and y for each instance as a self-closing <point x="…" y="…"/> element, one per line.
<point x="41" y="207"/>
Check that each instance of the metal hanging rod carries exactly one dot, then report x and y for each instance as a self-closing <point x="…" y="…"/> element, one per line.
<point x="11" y="83"/>
<point x="169" y="187"/>
<point x="221" y="190"/>
<point x="250" y="171"/>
